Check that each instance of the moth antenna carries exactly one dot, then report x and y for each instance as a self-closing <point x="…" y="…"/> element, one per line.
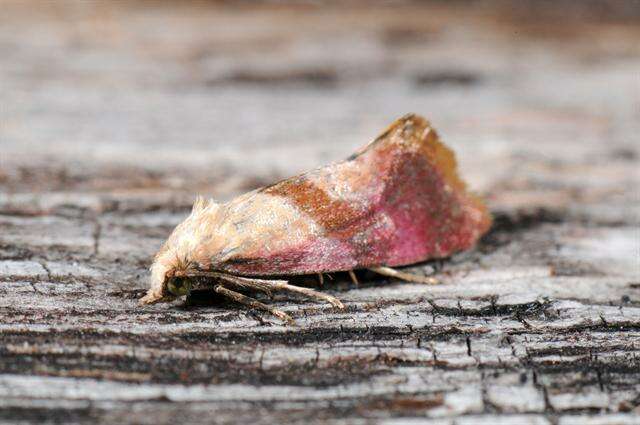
<point x="253" y="303"/>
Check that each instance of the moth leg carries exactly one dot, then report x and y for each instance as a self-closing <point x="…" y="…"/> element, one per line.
<point x="321" y="279"/>
<point x="266" y="286"/>
<point x="409" y="277"/>
<point x="309" y="293"/>
<point x="240" y="282"/>
<point x="253" y="303"/>
<point x="354" y="278"/>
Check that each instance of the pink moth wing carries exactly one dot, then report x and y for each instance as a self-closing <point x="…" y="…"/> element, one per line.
<point x="396" y="202"/>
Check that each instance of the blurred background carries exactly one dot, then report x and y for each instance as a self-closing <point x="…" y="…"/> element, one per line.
<point x="157" y="98"/>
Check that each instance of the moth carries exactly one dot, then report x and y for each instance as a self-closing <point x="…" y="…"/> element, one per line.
<point x="396" y="202"/>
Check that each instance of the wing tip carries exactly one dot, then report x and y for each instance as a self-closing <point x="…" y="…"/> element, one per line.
<point x="417" y="133"/>
<point x="416" y="129"/>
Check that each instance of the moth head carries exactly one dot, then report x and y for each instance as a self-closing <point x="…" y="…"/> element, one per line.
<point x="180" y="255"/>
<point x="168" y="282"/>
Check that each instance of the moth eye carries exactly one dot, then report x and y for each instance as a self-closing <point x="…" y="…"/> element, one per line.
<point x="178" y="286"/>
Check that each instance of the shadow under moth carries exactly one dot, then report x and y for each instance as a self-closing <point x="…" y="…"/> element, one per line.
<point x="396" y="202"/>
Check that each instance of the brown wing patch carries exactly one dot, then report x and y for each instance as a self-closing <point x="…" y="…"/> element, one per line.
<point x="314" y="201"/>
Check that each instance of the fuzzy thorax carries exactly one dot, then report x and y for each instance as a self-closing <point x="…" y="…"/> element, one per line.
<point x="180" y="254"/>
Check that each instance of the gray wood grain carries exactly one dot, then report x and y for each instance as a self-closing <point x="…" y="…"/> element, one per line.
<point x="115" y="115"/>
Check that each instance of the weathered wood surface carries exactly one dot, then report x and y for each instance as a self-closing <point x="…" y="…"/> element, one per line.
<point x="115" y="115"/>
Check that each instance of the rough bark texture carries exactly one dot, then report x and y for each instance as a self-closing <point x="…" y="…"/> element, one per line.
<point x="115" y="115"/>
